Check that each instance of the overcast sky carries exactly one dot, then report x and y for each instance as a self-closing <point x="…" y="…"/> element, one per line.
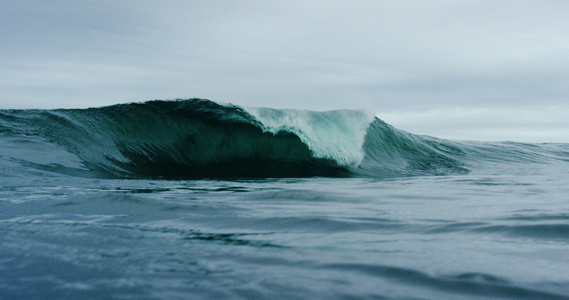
<point x="485" y="70"/>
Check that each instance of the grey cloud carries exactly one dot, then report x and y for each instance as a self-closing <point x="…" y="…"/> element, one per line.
<point x="389" y="56"/>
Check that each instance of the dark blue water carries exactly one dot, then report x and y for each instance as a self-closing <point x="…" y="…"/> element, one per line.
<point x="195" y="200"/>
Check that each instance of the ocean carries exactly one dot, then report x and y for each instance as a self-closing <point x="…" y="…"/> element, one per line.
<point x="191" y="199"/>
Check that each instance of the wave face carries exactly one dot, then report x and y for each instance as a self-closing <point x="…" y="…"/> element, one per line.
<point x="198" y="138"/>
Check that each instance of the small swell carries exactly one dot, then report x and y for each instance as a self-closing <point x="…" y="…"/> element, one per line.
<point x="474" y="284"/>
<point x="534" y="231"/>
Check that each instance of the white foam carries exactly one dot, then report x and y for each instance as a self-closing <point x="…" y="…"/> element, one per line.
<point x="338" y="135"/>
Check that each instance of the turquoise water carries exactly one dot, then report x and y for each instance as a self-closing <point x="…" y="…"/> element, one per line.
<point x="94" y="207"/>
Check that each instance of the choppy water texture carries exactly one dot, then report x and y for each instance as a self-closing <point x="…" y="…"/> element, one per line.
<point x="195" y="200"/>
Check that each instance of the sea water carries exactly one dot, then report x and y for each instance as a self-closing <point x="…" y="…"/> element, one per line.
<point x="195" y="200"/>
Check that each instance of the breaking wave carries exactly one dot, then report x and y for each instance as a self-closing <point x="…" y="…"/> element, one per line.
<point x="198" y="138"/>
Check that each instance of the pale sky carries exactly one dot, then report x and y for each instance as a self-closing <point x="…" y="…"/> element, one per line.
<point x="483" y="70"/>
